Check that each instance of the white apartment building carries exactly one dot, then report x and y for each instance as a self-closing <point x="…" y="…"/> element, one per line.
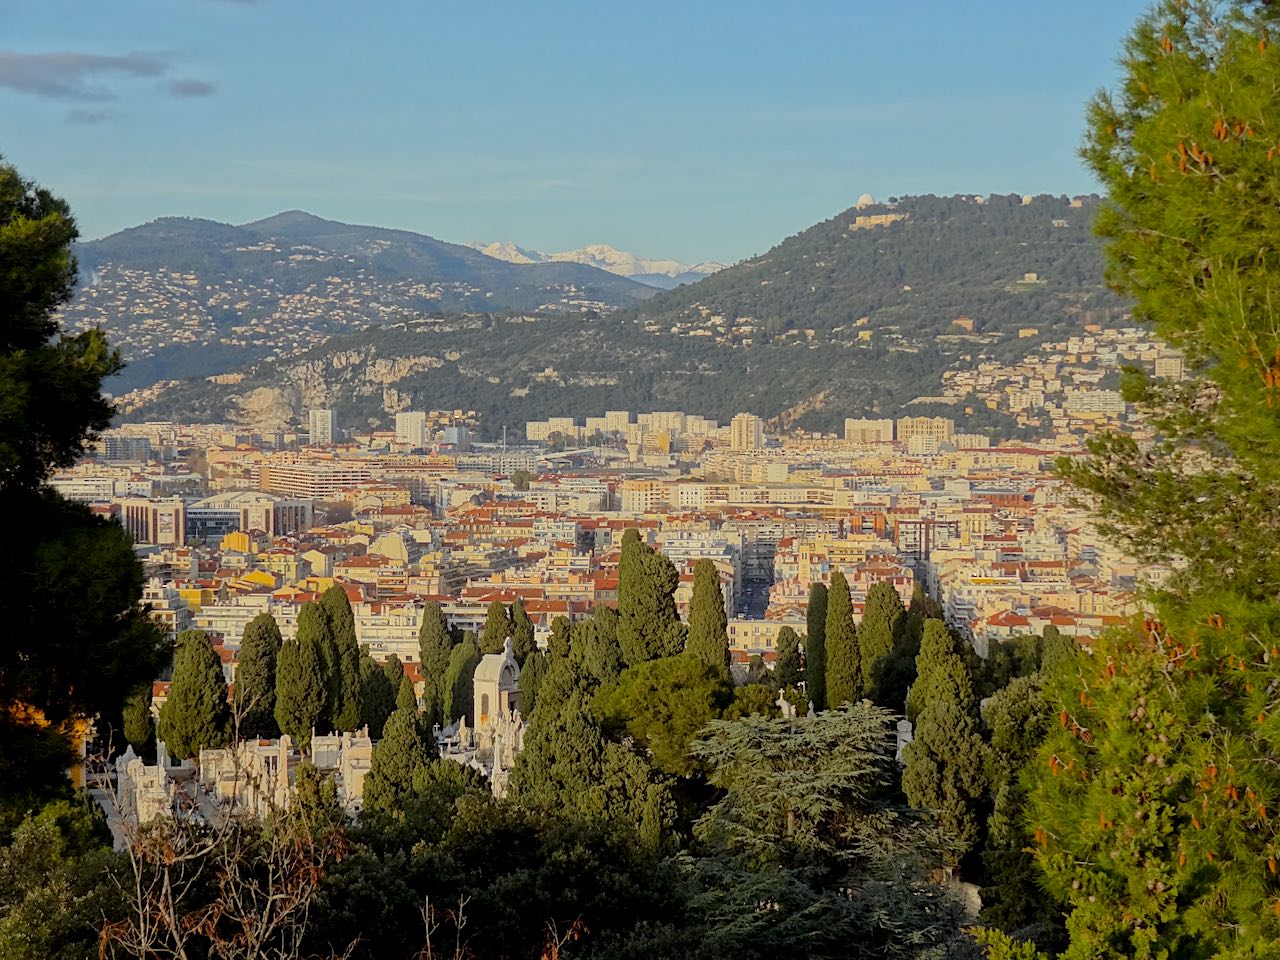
<point x="323" y="426"/>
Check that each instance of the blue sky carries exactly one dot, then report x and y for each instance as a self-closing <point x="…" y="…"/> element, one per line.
<point x="698" y="131"/>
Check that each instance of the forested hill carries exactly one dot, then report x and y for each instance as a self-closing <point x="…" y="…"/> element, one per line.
<point x="948" y="257"/>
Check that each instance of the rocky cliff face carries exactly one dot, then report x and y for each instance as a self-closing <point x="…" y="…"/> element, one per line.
<point x="322" y="382"/>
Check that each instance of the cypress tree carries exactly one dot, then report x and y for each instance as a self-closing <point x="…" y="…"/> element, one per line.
<point x="882" y="617"/>
<point x="843" y="667"/>
<point x="531" y="674"/>
<point x="406" y="699"/>
<point x="435" y="642"/>
<point x="942" y="671"/>
<point x="497" y="627"/>
<point x="458" y="680"/>
<point x="595" y="646"/>
<point x="394" y="670"/>
<point x="897" y="672"/>
<point x="815" y="646"/>
<point x="377" y="696"/>
<point x="404" y="750"/>
<point x="522" y="642"/>
<point x="708" y="623"/>
<point x="139" y="726"/>
<point x="255" y="683"/>
<point x="559" y="644"/>
<point x="648" y="625"/>
<point x="345" y="708"/>
<point x="302" y="696"/>
<point x="788" y="670"/>
<point x="196" y="714"/>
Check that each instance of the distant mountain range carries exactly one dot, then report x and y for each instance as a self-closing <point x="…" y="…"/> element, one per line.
<point x="664" y="274"/>
<point x="858" y="315"/>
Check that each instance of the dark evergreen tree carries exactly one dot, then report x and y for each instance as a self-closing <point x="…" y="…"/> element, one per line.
<point x="196" y="714"/>
<point x="404" y="750"/>
<point x="435" y="643"/>
<point x="406" y="698"/>
<point x="708" y="623"/>
<point x="377" y="696"/>
<point x="497" y="628"/>
<point x="77" y="641"/>
<point x="815" y="646"/>
<point x="458" y="680"/>
<point x="882" y="617"/>
<point x="896" y="673"/>
<point x="788" y="671"/>
<point x="843" y="666"/>
<point x="648" y="625"/>
<point x="345" y="706"/>
<point x="255" y="681"/>
<point x="394" y="670"/>
<point x="595" y="646"/>
<point x="522" y="640"/>
<point x="942" y="671"/>
<point x="302" y="693"/>
<point x="531" y="674"/>
<point x="558" y="644"/>
<point x="139" y="726"/>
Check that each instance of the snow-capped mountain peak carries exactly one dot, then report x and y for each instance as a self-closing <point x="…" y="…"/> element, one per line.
<point x="658" y="273"/>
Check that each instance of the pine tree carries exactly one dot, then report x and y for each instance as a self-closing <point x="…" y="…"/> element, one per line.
<point x="648" y="625"/>
<point x="255" y="679"/>
<point x="595" y="646"/>
<point x="404" y="750"/>
<point x="497" y="628"/>
<point x="458" y="680"/>
<point x="435" y="643"/>
<point x="788" y="671"/>
<point x="196" y="714"/>
<point x="843" y="667"/>
<point x="377" y="696"/>
<point x="882" y="617"/>
<point x="139" y="727"/>
<point x="522" y="640"/>
<point x="815" y="646"/>
<point x="558" y="646"/>
<point x="345" y="707"/>
<point x="302" y="694"/>
<point x="708" y="623"/>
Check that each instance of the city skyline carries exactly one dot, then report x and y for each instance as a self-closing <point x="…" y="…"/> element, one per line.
<point x="551" y="128"/>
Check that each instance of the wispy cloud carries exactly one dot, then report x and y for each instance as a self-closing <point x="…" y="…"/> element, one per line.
<point x="86" y="77"/>
<point x="186" y="87"/>
<point x="80" y="115"/>
<point x="73" y="76"/>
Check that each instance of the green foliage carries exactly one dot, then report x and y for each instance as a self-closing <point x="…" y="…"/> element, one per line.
<point x="196" y="714"/>
<point x="435" y="643"/>
<point x="138" y="726"/>
<point x="345" y="682"/>
<point x="458" y="690"/>
<point x="522" y="640"/>
<point x="497" y="628"/>
<point x="377" y="696"/>
<point x="54" y="894"/>
<point x="255" y="680"/>
<point x="302" y="694"/>
<point x="843" y="660"/>
<point x="568" y="766"/>
<point x="406" y="698"/>
<point x="753" y="698"/>
<point x="595" y="646"/>
<point x="882" y="621"/>
<point x="815" y="646"/>
<point x="558" y="643"/>
<point x="531" y="674"/>
<point x="805" y="853"/>
<point x="648" y="625"/>
<point x="1014" y="900"/>
<point x="941" y="672"/>
<point x="708" y="623"/>
<point x="663" y="704"/>
<point x="394" y="670"/>
<point x="788" y="670"/>
<point x="520" y="479"/>
<point x="405" y="748"/>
